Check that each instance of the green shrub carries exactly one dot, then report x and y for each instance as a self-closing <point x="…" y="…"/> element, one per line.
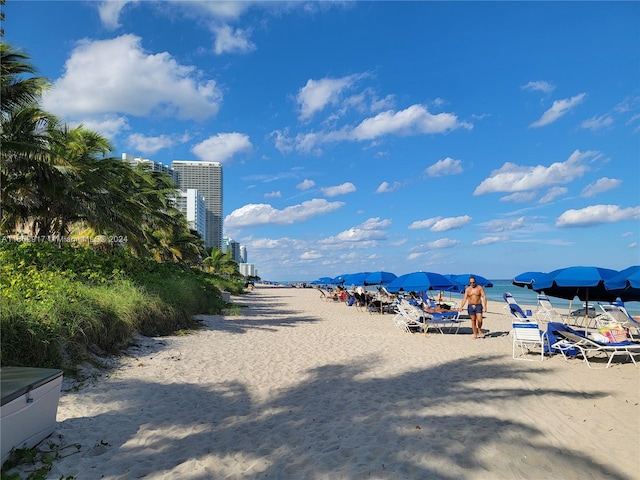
<point x="59" y="303"/>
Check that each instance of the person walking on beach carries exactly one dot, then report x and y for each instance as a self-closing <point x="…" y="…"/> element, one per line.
<point x="477" y="300"/>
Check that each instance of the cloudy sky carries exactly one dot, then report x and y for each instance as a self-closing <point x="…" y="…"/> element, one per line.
<point x="455" y="137"/>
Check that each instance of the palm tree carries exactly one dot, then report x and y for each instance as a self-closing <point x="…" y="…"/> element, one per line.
<point x="220" y="263"/>
<point x="25" y="161"/>
<point x="57" y="179"/>
<point x="18" y="92"/>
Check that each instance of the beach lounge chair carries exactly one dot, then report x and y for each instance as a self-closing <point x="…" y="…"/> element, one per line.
<point x="427" y="320"/>
<point x="572" y="339"/>
<point x="513" y="310"/>
<point x="449" y="320"/>
<point x="634" y="323"/>
<point x="614" y="314"/>
<point x="525" y="336"/>
<point x="547" y="313"/>
<point x="409" y="317"/>
<point x="360" y="301"/>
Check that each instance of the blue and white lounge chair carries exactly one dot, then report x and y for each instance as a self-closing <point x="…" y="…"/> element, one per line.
<point x="513" y="310"/>
<point x="547" y="313"/>
<point x="572" y="339"/>
<point x="526" y="335"/>
<point x="632" y="322"/>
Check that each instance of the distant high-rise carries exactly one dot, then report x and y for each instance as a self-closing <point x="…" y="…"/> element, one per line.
<point x="248" y="269"/>
<point x="236" y="251"/>
<point x="194" y="207"/>
<point x="151" y="165"/>
<point x="206" y="177"/>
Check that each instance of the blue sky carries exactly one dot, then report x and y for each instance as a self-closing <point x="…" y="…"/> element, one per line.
<point x="454" y="137"/>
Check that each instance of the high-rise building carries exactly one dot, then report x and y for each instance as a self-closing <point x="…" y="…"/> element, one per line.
<point x="236" y="251"/>
<point x="193" y="205"/>
<point x="248" y="269"/>
<point x="151" y="165"/>
<point x="206" y="177"/>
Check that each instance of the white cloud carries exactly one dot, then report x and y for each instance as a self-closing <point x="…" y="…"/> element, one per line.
<point x="109" y="12"/>
<point x="538" y="86"/>
<point x="446" y="166"/>
<point x="601" y="185"/>
<point x="632" y="245"/>
<point x="428" y="223"/>
<point x="311" y="255"/>
<point x="264" y="214"/>
<point x="149" y="145"/>
<point x="597" y="123"/>
<point x="221" y="147"/>
<point x="108" y="125"/>
<point x="518" y="178"/>
<point x="283" y="244"/>
<point x="414" y="120"/>
<point x="558" y="109"/>
<point x="597" y="215"/>
<point x="443" y="243"/>
<point x="117" y="76"/>
<point x="317" y="94"/>
<point x="275" y="194"/>
<point x="450" y="223"/>
<point x="552" y="193"/>
<point x="345" y="188"/>
<point x="519" y="197"/>
<point x="385" y="187"/>
<point x="503" y="225"/>
<point x="365" y="234"/>
<point x="489" y="240"/>
<point x="229" y="40"/>
<point x="306" y="184"/>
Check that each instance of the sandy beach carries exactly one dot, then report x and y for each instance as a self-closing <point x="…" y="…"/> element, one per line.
<point x="291" y="386"/>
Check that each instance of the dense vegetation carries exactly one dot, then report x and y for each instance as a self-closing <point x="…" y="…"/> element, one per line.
<point x="64" y="294"/>
<point x="61" y="303"/>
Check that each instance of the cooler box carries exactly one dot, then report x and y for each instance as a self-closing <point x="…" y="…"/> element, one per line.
<point x="29" y="406"/>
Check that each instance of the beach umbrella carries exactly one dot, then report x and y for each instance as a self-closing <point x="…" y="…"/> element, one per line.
<point x="420" y="282"/>
<point x="380" y="278"/>
<point x="527" y="279"/>
<point x="354" y="278"/>
<point x="339" y="280"/>
<point x="586" y="283"/>
<point x="463" y="279"/>
<point x="625" y="284"/>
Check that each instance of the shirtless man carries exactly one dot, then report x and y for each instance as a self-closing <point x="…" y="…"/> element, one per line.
<point x="477" y="299"/>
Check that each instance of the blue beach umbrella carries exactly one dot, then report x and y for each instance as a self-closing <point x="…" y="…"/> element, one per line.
<point x="339" y="280"/>
<point x="421" y="282"/>
<point x="625" y="284"/>
<point x="586" y="283"/>
<point x="354" y="278"/>
<point x="527" y="279"/>
<point x="380" y="278"/>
